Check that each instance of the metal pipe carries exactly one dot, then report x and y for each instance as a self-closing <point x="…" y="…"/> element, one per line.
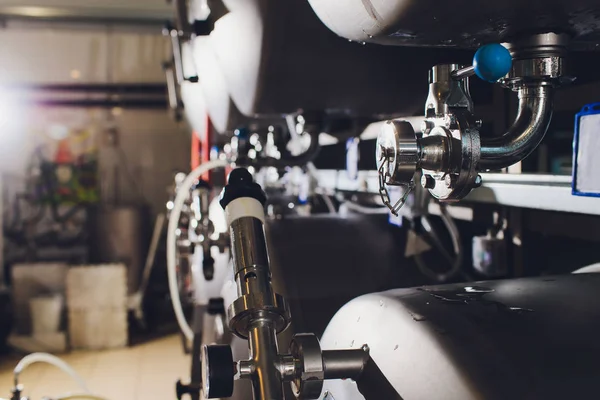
<point x="250" y="257"/>
<point x="533" y="117"/>
<point x="110" y="88"/>
<point x="177" y="61"/>
<point x="434" y="153"/>
<point x="172" y="93"/>
<point x="267" y="382"/>
<point x="463" y="72"/>
<point x="344" y="364"/>
<point x="137" y="103"/>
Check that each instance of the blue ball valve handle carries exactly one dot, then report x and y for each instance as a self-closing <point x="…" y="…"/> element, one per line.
<point x="490" y="63"/>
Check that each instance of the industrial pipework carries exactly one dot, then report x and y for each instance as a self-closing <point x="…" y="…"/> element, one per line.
<point x="450" y="151"/>
<point x="259" y="314"/>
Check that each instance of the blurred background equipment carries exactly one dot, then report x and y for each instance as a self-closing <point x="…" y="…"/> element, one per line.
<point x="300" y="199"/>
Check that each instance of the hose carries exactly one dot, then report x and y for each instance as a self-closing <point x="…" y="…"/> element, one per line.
<point x="79" y="396"/>
<point x="456" y="245"/>
<point x="328" y="203"/>
<point x="49" y="359"/>
<point x="182" y="195"/>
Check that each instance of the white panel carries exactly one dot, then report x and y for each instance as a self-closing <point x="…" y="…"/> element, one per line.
<point x="138" y="57"/>
<point x="49" y="56"/>
<point x="142" y="9"/>
<point x="62" y="55"/>
<point x="588" y="162"/>
<point x="155" y="146"/>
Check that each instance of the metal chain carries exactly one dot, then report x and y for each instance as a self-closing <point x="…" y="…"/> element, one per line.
<point x="385" y="195"/>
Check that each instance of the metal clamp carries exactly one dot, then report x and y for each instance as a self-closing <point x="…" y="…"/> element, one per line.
<point x="259" y="314"/>
<point x="306" y="367"/>
<point x="450" y="152"/>
<point x="308" y="382"/>
<point x="447" y="151"/>
<point x="397" y="159"/>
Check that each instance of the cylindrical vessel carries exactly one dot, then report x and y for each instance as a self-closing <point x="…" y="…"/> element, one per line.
<point x="262" y="341"/>
<point x="464" y="24"/>
<point x="530" y="338"/>
<point x="45" y="314"/>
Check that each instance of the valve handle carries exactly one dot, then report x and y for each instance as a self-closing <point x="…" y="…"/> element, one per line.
<point x="218" y="371"/>
<point x="490" y="63"/>
<point x="181" y="389"/>
<point x="208" y="266"/>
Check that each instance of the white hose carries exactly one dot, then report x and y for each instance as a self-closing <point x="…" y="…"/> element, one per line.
<point x="328" y="203"/>
<point x="49" y="359"/>
<point x="456" y="264"/>
<point x="79" y="396"/>
<point x="183" y="193"/>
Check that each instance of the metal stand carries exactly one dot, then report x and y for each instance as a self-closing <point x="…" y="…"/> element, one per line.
<point x="259" y="314"/>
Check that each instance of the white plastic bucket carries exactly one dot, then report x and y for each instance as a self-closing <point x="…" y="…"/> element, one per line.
<point x="45" y="314"/>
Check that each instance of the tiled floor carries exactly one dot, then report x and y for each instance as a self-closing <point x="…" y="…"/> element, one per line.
<point x="144" y="372"/>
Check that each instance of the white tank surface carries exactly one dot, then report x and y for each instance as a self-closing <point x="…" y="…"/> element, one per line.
<point x="530" y="338"/>
<point x="209" y="95"/>
<point x="434" y="23"/>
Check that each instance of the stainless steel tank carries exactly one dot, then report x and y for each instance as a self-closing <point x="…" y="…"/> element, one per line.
<point x="531" y="338"/>
<point x="463" y="23"/>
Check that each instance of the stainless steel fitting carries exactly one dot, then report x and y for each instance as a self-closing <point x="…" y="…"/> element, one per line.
<point x="259" y="314"/>
<point x="449" y="150"/>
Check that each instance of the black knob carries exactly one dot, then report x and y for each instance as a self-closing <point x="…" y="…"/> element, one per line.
<point x="181" y="390"/>
<point x="241" y="184"/>
<point x="201" y="184"/>
<point x="208" y="267"/>
<point x="217" y="371"/>
<point x="216" y="306"/>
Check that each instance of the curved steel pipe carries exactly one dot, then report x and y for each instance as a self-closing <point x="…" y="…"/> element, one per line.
<point x="526" y="133"/>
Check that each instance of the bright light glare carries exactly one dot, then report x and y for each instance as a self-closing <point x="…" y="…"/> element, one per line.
<point x="38" y="12"/>
<point x="58" y="131"/>
<point x="11" y="114"/>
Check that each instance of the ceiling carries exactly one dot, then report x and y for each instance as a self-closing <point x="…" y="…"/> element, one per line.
<point x="120" y="11"/>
